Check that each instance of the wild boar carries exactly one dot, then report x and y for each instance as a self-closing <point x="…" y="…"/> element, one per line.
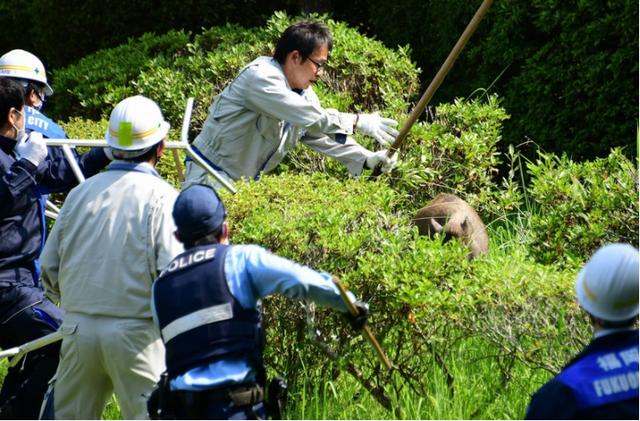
<point x="454" y="217"/>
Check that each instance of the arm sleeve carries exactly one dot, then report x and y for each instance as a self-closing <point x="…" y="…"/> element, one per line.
<point x="164" y="245"/>
<point x="253" y="273"/>
<point x="552" y="401"/>
<point x="349" y="152"/>
<point x="50" y="261"/>
<point x="13" y="183"/>
<point x="55" y="175"/>
<point x="265" y="92"/>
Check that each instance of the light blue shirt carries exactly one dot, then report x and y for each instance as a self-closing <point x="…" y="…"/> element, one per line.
<point x="253" y="273"/>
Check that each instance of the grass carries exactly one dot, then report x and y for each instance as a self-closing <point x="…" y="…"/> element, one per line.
<point x="479" y="391"/>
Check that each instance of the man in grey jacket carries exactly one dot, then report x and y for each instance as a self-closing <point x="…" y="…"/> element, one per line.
<point x="270" y="106"/>
<point x="113" y="237"/>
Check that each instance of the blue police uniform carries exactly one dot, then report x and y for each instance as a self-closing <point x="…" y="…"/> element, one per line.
<point x="25" y="313"/>
<point x="600" y="383"/>
<point x="207" y="305"/>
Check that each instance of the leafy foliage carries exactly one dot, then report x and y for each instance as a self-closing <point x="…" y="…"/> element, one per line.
<point x="63" y="32"/>
<point x="91" y="87"/>
<point x="427" y="299"/>
<point x="457" y="153"/>
<point x="567" y="70"/>
<point x="582" y="205"/>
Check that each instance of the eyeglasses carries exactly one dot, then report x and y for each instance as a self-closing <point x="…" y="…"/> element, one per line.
<point x="319" y="66"/>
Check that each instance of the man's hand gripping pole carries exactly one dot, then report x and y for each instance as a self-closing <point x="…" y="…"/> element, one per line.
<point x="365" y="331"/>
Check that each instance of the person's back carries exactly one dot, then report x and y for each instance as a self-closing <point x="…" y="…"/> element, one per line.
<point x="207" y="306"/>
<point x="602" y="381"/>
<point x="110" y="246"/>
<point x="112" y="237"/>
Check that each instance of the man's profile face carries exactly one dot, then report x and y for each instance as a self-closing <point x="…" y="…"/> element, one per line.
<point x="304" y="72"/>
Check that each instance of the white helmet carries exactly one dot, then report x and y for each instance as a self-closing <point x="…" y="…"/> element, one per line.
<point x="607" y="285"/>
<point x="21" y="64"/>
<point x="135" y="125"/>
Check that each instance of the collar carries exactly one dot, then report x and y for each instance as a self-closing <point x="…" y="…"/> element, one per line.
<point x="275" y="63"/>
<point x="605" y="332"/>
<point x="143" y="167"/>
<point x="607" y="341"/>
<point x="7" y="144"/>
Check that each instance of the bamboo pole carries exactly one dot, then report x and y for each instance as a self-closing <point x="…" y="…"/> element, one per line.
<point x="436" y="82"/>
<point x="366" y="331"/>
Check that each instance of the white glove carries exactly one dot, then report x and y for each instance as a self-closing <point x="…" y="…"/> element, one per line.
<point x="32" y="148"/>
<point x="380" y="157"/>
<point x="380" y="128"/>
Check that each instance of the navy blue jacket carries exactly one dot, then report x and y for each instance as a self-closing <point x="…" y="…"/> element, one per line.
<point x="36" y="121"/>
<point x="22" y="223"/>
<point x="600" y="360"/>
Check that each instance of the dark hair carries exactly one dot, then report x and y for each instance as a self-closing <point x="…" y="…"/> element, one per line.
<point x="211" y="238"/>
<point x="145" y="157"/>
<point x="11" y="96"/>
<point x="304" y="37"/>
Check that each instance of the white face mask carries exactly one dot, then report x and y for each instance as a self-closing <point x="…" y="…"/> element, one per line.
<point x="21" y="134"/>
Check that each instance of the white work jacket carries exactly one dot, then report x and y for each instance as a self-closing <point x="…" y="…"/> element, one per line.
<point x="257" y="118"/>
<point x="113" y="237"/>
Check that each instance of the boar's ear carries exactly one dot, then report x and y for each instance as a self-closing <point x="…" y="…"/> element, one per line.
<point x="465" y="225"/>
<point x="435" y="225"/>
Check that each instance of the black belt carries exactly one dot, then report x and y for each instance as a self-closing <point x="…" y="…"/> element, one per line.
<point x="240" y="395"/>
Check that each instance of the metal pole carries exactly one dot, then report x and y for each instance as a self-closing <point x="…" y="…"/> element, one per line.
<point x="183" y="144"/>
<point x="18" y="351"/>
<point x="50" y="214"/>
<point x="99" y="143"/>
<point x="52" y="207"/>
<point x="66" y="149"/>
<point x="436" y="82"/>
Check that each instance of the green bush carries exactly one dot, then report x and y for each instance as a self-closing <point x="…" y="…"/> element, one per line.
<point x="457" y="153"/>
<point x="581" y="206"/>
<point x="91" y="87"/>
<point x="362" y="74"/>
<point x="427" y="300"/>
<point x="567" y="70"/>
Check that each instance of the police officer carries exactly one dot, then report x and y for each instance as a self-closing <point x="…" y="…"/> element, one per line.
<point x="271" y="106"/>
<point x="207" y="306"/>
<point x="25" y="313"/>
<point x="602" y="381"/>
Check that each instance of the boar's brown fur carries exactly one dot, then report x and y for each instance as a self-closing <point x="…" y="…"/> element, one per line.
<point x="454" y="217"/>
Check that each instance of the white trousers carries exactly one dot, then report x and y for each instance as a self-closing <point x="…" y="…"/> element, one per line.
<point x="106" y="355"/>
